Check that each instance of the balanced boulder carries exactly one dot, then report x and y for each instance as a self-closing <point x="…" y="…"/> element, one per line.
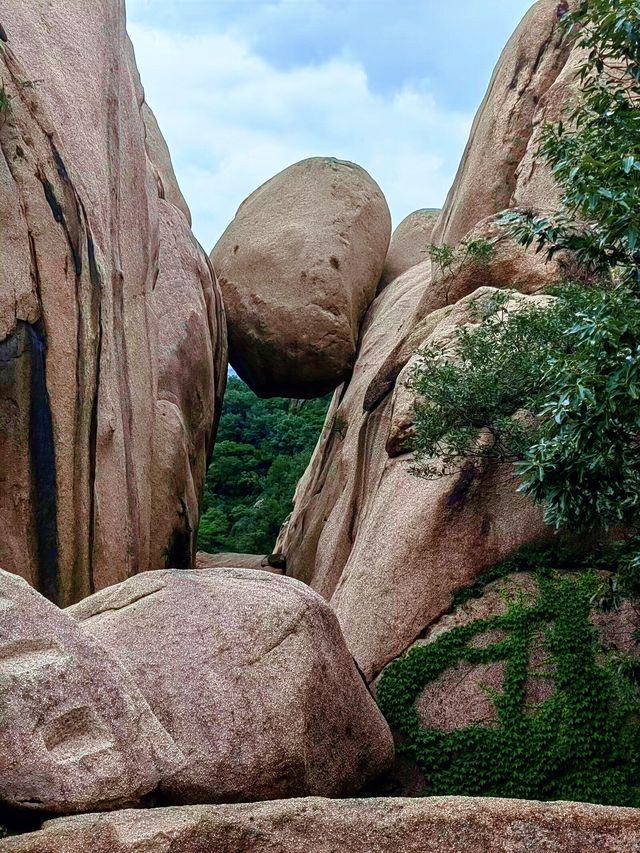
<point x="249" y="673"/>
<point x="298" y="267"/>
<point x="75" y="733"/>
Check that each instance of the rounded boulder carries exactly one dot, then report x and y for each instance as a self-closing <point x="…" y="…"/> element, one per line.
<point x="251" y="676"/>
<point x="409" y="244"/>
<point x="298" y="267"/>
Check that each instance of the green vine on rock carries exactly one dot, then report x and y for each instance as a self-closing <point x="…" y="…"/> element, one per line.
<point x="582" y="743"/>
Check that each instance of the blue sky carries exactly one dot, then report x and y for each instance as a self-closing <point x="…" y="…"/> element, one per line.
<point x="244" y="88"/>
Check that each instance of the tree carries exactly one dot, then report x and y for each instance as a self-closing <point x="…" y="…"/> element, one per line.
<point x="577" y="371"/>
<point x="585" y="467"/>
<point x="263" y="449"/>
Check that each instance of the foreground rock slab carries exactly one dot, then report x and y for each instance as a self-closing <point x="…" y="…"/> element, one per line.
<point x="75" y="732"/>
<point x="298" y="267"/>
<point x="251" y="676"/>
<point x="428" y="825"/>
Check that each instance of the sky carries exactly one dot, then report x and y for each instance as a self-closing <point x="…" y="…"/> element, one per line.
<point x="244" y="88"/>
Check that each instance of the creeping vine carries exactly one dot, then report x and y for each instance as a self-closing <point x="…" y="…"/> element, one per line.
<point x="582" y="743"/>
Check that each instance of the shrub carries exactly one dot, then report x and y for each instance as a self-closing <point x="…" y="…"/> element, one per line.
<point x="467" y="394"/>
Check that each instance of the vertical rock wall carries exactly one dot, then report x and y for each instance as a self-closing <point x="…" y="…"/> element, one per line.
<point x="102" y="287"/>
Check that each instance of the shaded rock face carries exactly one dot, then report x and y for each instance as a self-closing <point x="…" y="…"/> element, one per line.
<point x="387" y="548"/>
<point x="103" y="290"/>
<point x="409" y="244"/>
<point x="251" y="676"/>
<point x="298" y="267"/>
<point x="75" y="732"/>
<point x="503" y="135"/>
<point x="424" y="825"/>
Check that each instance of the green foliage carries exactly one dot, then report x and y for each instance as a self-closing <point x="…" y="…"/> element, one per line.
<point x="262" y="450"/>
<point x="543" y="560"/>
<point x="446" y="257"/>
<point x="584" y="468"/>
<point x="585" y="464"/>
<point x="468" y="393"/>
<point x="582" y="382"/>
<point x="582" y="743"/>
<point x="5" y="101"/>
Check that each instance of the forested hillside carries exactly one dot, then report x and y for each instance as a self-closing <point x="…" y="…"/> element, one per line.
<point x="262" y="450"/>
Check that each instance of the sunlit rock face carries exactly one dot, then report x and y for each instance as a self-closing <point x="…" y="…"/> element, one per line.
<point x="409" y="244"/>
<point x="503" y="131"/>
<point x="250" y="675"/>
<point x="112" y="332"/>
<point x="298" y="267"/>
<point x="387" y="548"/>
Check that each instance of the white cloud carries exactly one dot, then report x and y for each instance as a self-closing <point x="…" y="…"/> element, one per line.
<point x="232" y="121"/>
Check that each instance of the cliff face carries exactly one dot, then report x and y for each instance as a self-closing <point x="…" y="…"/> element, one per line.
<point x="503" y="131"/>
<point x="107" y="306"/>
<point x="385" y="547"/>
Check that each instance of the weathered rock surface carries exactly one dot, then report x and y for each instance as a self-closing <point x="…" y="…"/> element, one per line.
<point x="238" y="561"/>
<point x="250" y="675"/>
<point x="298" y="267"/>
<point x="423" y="825"/>
<point x="464" y="694"/>
<point x="507" y="265"/>
<point x="440" y="327"/>
<point x="101" y="285"/>
<point x="535" y="186"/>
<point x="487" y="178"/>
<point x="387" y="548"/>
<point x="409" y="244"/>
<point x="75" y="732"/>
<point x="461" y="695"/>
<point x="191" y="381"/>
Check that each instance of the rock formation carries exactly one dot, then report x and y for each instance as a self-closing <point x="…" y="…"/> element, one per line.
<point x="298" y="267"/>
<point x="508" y="264"/>
<point x="424" y="825"/>
<point x="250" y="675"/>
<point x="461" y="695"/>
<point x="487" y="179"/>
<point x="76" y="733"/>
<point x="409" y="244"/>
<point x="210" y="681"/>
<point x="106" y="304"/>
<point x="386" y="548"/>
